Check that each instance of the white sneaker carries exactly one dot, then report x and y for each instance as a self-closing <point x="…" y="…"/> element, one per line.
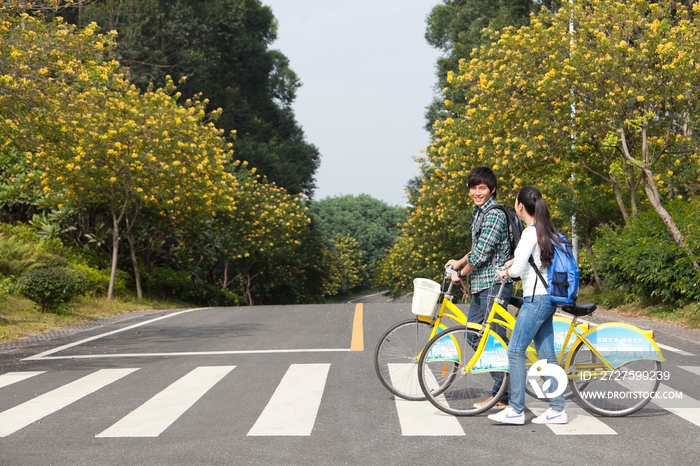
<point x="551" y="417"/>
<point x="508" y="416"/>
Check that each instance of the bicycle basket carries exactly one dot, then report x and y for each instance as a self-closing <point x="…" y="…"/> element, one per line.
<point x="425" y="297"/>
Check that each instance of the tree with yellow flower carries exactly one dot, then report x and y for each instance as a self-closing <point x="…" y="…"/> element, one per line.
<point x="604" y="112"/>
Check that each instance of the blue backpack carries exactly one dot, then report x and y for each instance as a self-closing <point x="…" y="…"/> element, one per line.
<point x="563" y="276"/>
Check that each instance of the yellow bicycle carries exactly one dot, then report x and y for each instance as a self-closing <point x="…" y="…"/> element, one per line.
<point x="613" y="369"/>
<point x="398" y="349"/>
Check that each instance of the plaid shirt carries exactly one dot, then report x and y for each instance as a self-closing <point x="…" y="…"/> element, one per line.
<point x="493" y="237"/>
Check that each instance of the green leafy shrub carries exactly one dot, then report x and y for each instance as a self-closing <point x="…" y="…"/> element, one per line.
<point x="50" y="288"/>
<point x="643" y="259"/>
<point x="16" y="255"/>
<point x="5" y="287"/>
<point x="170" y="284"/>
<point x="98" y="279"/>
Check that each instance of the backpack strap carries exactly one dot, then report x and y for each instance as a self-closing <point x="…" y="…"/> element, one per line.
<point x="531" y="261"/>
<point x="483" y="216"/>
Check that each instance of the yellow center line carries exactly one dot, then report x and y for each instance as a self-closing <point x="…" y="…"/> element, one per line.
<point x="358" y="340"/>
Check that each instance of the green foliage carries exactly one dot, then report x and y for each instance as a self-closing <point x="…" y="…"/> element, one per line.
<point x="456" y="27"/>
<point x="643" y="260"/>
<point x="15" y="255"/>
<point x="21" y="249"/>
<point x="54" y="224"/>
<point x="171" y="284"/>
<point x="221" y="46"/>
<point x="373" y="223"/>
<point x="347" y="268"/>
<point x="6" y="287"/>
<point x="98" y="280"/>
<point x="50" y="288"/>
<point x="18" y="195"/>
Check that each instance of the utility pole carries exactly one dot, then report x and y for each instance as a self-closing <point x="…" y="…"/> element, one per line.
<point x="574" y="237"/>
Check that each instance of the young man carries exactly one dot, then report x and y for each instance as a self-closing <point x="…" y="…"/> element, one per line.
<point x="490" y="249"/>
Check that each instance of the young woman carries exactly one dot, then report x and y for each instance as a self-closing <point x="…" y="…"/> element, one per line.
<point x="534" y="321"/>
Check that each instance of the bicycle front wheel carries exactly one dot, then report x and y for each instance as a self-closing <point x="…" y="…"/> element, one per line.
<point x="444" y="381"/>
<point x="619" y="392"/>
<point x="396" y="358"/>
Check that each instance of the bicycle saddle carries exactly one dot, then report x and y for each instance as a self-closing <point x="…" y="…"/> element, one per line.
<point x="516" y="301"/>
<point x="580" y="309"/>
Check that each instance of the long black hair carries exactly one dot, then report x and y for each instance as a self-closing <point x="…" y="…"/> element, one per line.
<point x="531" y="199"/>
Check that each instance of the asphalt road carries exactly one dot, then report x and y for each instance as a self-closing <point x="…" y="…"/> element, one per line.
<point x="287" y="385"/>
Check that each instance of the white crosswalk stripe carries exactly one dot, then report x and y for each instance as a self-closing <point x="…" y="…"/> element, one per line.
<point x="153" y="417"/>
<point x="14" y="377"/>
<point x="675" y="350"/>
<point x="420" y="418"/>
<point x="684" y="406"/>
<point x="293" y="407"/>
<point x="694" y="369"/>
<point x="37" y="408"/>
<point x="580" y="422"/>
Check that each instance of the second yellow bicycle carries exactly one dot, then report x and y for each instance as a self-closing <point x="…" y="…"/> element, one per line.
<point x="613" y="369"/>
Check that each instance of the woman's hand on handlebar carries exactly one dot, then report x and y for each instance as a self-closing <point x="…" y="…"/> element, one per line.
<point x="503" y="271"/>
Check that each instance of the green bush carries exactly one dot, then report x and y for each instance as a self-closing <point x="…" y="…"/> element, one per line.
<point x="643" y="260"/>
<point x="16" y="255"/>
<point x="98" y="279"/>
<point x="6" y="287"/>
<point x="167" y="283"/>
<point x="50" y="288"/>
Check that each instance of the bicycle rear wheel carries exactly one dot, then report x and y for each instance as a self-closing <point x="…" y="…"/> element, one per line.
<point x="620" y="392"/>
<point x="396" y="358"/>
<point x="455" y="391"/>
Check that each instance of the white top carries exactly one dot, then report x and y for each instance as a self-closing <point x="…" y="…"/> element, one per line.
<point x="522" y="268"/>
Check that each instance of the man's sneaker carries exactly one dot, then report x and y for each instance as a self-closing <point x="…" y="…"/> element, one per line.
<point x="551" y="417"/>
<point x="499" y="405"/>
<point x="508" y="416"/>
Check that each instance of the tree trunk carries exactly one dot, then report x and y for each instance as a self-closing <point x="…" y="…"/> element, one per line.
<point x="633" y="185"/>
<point x="115" y="255"/>
<point x="652" y="191"/>
<point x="115" y="241"/>
<point x="225" y="282"/>
<point x="134" y="261"/>
<point x="655" y="199"/>
<point x="248" y="290"/>
<point x="618" y="198"/>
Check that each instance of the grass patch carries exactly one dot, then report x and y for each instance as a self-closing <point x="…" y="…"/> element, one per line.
<point x="20" y="318"/>
<point x="617" y="301"/>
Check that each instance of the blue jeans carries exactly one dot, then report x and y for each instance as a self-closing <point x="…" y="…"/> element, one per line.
<point x="534" y="324"/>
<point x="479" y="309"/>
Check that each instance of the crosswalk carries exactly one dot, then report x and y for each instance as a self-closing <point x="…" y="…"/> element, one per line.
<point x="291" y="411"/>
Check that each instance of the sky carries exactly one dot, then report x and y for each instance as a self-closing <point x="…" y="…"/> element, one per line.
<point x="367" y="75"/>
